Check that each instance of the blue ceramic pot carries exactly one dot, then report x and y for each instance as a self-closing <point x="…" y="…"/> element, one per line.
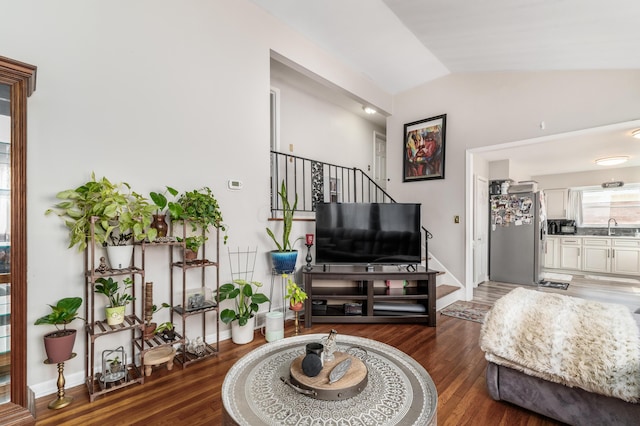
<point x="284" y="262"/>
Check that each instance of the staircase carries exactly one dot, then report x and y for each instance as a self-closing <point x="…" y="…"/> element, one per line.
<point x="316" y="181"/>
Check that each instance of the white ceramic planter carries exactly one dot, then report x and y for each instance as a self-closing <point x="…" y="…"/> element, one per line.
<point x="120" y="256"/>
<point x="243" y="334"/>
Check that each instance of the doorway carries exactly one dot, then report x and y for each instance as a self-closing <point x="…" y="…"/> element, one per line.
<point x="380" y="159"/>
<point x="480" y="230"/>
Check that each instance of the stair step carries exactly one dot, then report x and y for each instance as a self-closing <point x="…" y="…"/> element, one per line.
<point x="443" y="290"/>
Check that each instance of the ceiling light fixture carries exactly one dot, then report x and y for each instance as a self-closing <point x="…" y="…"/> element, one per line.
<point x="636" y="133"/>
<point x="369" y="110"/>
<point x="611" y="161"/>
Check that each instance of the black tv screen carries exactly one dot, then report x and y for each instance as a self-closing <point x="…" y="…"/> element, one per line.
<point x="368" y="233"/>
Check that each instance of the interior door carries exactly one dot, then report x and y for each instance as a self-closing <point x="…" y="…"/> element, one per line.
<point x="380" y="159"/>
<point x="480" y="230"/>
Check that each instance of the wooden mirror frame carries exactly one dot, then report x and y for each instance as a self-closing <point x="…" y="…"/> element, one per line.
<point x="21" y="78"/>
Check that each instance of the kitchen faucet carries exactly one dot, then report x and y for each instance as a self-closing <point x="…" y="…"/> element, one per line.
<point x="609" y="232"/>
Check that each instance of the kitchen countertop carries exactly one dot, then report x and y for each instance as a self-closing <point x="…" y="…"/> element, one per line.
<point x="632" y="237"/>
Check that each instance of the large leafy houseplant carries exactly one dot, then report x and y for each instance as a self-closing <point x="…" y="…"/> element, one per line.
<point x="246" y="298"/>
<point x="160" y="200"/>
<point x="59" y="344"/>
<point x="62" y="313"/>
<point x="284" y="244"/>
<point x="121" y="214"/>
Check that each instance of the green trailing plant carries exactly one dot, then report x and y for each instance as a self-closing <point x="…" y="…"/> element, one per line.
<point x="294" y="293"/>
<point x="287" y="220"/>
<point x="62" y="313"/>
<point x="246" y="298"/>
<point x="120" y="213"/>
<point x="201" y="209"/>
<point x="161" y="202"/>
<point x="110" y="289"/>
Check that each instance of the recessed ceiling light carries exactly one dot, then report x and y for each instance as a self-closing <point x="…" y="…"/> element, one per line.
<point x="611" y="161"/>
<point x="636" y="133"/>
<point x="369" y="110"/>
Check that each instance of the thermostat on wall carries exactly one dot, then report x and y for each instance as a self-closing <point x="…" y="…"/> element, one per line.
<point x="235" y="184"/>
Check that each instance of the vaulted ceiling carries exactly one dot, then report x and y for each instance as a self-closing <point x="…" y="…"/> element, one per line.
<point x="401" y="44"/>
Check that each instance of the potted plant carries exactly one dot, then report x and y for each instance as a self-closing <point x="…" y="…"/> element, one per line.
<point x="295" y="294"/>
<point x="115" y="365"/>
<point x="284" y="258"/>
<point x="149" y="326"/>
<point x="161" y="202"/>
<point x="167" y="331"/>
<point x="246" y="298"/>
<point x="192" y="245"/>
<point x="117" y="301"/>
<point x="120" y="215"/>
<point x="59" y="344"/>
<point x="200" y="208"/>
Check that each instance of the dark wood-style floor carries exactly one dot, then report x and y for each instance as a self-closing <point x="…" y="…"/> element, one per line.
<point x="449" y="352"/>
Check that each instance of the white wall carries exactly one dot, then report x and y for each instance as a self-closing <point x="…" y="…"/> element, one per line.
<point x="153" y="93"/>
<point x="492" y="108"/>
<point x="321" y="130"/>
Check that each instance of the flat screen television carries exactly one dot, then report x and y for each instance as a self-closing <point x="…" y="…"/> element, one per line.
<point x="368" y="233"/>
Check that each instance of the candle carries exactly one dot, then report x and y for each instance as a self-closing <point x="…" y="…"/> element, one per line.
<point x="310" y="239"/>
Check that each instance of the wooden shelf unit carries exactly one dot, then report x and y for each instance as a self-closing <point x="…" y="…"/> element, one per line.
<point x="364" y="291"/>
<point x="181" y="268"/>
<point x="95" y="328"/>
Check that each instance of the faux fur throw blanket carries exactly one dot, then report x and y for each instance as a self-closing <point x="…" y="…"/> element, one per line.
<point x="591" y="345"/>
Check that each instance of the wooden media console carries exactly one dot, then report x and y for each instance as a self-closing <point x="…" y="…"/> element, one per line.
<point x="360" y="301"/>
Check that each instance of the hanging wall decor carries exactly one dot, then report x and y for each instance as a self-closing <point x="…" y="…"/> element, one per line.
<point x="423" y="149"/>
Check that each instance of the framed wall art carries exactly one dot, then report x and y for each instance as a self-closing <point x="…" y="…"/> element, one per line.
<point x="423" y="147"/>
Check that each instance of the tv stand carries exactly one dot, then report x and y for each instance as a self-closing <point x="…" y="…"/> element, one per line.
<point x="415" y="304"/>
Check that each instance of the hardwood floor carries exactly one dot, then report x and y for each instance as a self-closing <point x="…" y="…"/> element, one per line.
<point x="449" y="352"/>
<point x="625" y="291"/>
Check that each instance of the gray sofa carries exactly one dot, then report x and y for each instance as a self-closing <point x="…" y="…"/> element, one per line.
<point x="539" y="362"/>
<point x="574" y="406"/>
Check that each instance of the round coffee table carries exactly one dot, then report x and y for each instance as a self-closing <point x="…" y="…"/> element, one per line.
<point x="399" y="390"/>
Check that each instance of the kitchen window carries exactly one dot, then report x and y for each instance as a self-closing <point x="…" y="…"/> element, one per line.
<point x="598" y="205"/>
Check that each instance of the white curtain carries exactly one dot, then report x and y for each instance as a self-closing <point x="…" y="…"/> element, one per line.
<point x="574" y="207"/>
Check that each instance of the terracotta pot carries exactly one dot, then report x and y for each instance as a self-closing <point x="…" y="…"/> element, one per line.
<point x="296" y="307"/>
<point x="190" y="255"/>
<point x="59" y="345"/>
<point x="149" y="330"/>
<point x="160" y="224"/>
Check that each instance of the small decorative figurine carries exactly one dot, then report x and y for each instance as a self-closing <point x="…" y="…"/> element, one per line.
<point x="103" y="266"/>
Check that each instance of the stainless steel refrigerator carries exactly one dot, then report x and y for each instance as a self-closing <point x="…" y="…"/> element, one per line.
<point x="517" y="234"/>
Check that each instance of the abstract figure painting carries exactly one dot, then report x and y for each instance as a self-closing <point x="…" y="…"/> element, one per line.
<point x="423" y="156"/>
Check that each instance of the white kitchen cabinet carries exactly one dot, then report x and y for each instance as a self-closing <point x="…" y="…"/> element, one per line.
<point x="552" y="252"/>
<point x="571" y="253"/>
<point x="557" y="200"/>
<point x="626" y="256"/>
<point x="596" y="254"/>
